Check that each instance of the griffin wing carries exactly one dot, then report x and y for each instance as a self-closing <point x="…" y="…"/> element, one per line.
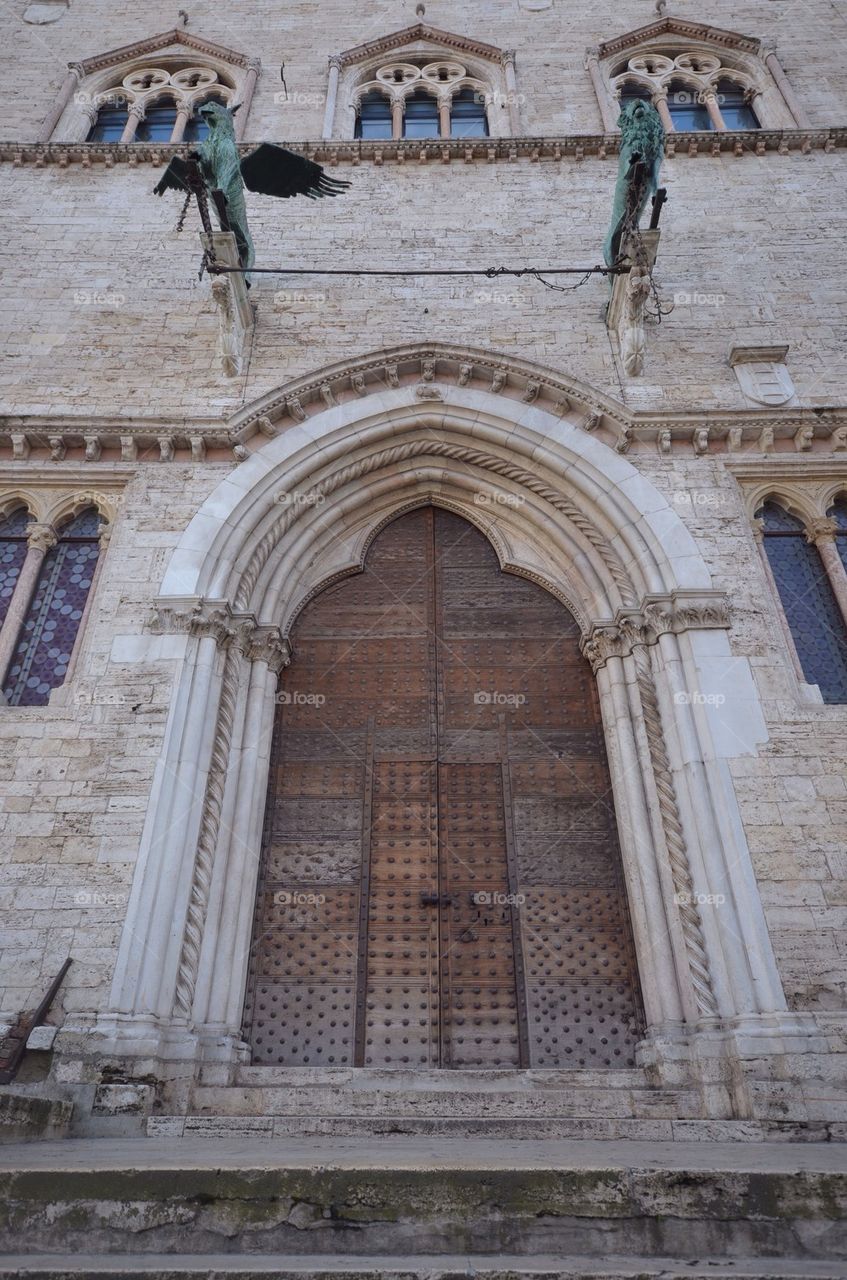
<point x="273" y="171"/>
<point x="174" y="178"/>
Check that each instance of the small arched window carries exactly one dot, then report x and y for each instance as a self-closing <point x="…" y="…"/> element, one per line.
<point x="421" y="119"/>
<point x="158" y="123"/>
<point x="632" y="92"/>
<point x="197" y="128"/>
<point x="373" y="119"/>
<point x="808" y="602"/>
<point x="12" y="554"/>
<point x="46" y="640"/>
<point x="110" y="123"/>
<point x="734" y="105"/>
<point x="688" y="110"/>
<point x="467" y="115"/>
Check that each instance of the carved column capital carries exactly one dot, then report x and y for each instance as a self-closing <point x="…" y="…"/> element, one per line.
<point x="41" y="537"/>
<point x="267" y="644"/>
<point x="821" y="530"/>
<point x="659" y="615"/>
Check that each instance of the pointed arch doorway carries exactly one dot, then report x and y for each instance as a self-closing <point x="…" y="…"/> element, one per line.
<point x="440" y="883"/>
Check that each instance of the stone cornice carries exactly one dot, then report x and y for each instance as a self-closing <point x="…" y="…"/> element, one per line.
<point x="791" y="437"/>
<point x="669" y="27"/>
<point x="410" y="35"/>
<point x="578" y="146"/>
<point x="153" y="44"/>
<point x="659" y="615"/>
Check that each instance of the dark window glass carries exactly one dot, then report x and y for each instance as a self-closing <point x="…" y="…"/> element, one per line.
<point x="421" y="118"/>
<point x="808" y="602"/>
<point x="40" y="661"/>
<point x="12" y="554"/>
<point x="158" y="124"/>
<point x="687" y="113"/>
<point x="634" y="93"/>
<point x="838" y="513"/>
<point x="736" y="112"/>
<point x="374" y="117"/>
<point x="110" y="123"/>
<point x="467" y="115"/>
<point x="197" y="129"/>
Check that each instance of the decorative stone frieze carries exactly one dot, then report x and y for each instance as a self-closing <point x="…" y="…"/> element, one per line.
<point x="227" y="627"/>
<point x="658" y="616"/>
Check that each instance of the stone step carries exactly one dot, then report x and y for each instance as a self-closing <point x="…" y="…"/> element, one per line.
<point x="433" y="1267"/>
<point x="447" y="1081"/>
<point x="522" y="1129"/>
<point x="386" y="1198"/>
<point x="327" y="1101"/>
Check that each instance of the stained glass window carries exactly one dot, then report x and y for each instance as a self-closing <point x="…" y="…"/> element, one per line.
<point x="808" y="601"/>
<point x="838" y="513"/>
<point x="40" y="661"/>
<point x="12" y="554"/>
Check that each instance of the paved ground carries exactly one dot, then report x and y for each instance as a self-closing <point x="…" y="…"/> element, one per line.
<point x="419" y="1153"/>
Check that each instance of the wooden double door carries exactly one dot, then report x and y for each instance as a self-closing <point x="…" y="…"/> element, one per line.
<point x="440" y="882"/>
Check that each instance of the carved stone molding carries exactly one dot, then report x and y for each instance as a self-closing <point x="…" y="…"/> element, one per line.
<point x="230" y="629"/>
<point x="179" y="36"/>
<point x="697" y="31"/>
<point x="100" y="155"/>
<point x="658" y="616"/>
<point x="436" y="449"/>
<point x="686" y="899"/>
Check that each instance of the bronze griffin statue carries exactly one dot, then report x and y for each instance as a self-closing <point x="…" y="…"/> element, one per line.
<point x="270" y="170"/>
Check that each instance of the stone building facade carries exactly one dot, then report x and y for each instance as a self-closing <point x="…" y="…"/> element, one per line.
<point x="679" y="488"/>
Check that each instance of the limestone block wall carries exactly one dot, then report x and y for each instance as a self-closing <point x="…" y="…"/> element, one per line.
<point x="103" y="317"/>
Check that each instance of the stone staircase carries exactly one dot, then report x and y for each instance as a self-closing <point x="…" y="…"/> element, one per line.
<point x="283" y="1102"/>
<point x="422" y="1209"/>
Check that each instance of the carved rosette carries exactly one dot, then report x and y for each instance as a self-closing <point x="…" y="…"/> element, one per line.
<point x="670" y="615"/>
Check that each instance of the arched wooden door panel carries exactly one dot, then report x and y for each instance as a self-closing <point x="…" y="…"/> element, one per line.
<point x="440" y="880"/>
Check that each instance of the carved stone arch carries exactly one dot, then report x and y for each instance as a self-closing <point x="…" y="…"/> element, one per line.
<point x="794" y="498"/>
<point x="832" y="492"/>
<point x="703" y="970"/>
<point x="68" y="506"/>
<point x="93" y="80"/>
<point x="14" y="498"/>
<point x="353" y="72"/>
<point x="749" y="59"/>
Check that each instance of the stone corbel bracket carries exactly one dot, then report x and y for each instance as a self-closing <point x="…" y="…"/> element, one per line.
<point x="236" y="314"/>
<point x="626" y="311"/>
<point x="658" y="615"/>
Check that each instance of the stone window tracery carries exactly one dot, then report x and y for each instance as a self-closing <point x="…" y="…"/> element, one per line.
<point x="154" y="104"/>
<point x="12" y="554"/>
<point x="150" y="91"/>
<point x="422" y="99"/>
<point x="698" y="77"/>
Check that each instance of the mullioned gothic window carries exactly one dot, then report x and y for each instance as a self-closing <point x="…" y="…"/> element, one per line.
<point x="838" y="513"/>
<point x="422" y="99"/>
<point x="808" y="601"/>
<point x="49" y="630"/>
<point x="699" y="78"/>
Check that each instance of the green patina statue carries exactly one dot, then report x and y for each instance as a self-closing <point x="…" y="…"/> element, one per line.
<point x="642" y="150"/>
<point x="271" y="170"/>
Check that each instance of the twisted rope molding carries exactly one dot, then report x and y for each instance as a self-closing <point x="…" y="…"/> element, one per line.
<point x="210" y="822"/>
<point x="692" y="928"/>
<point x="440" y="449"/>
